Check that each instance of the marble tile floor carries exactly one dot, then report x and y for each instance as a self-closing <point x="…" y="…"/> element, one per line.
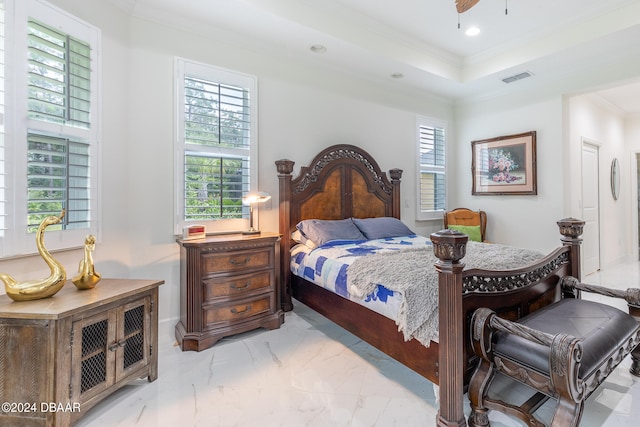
<point x="313" y="373"/>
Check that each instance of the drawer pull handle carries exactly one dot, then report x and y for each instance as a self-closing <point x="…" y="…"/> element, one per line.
<point x="236" y="287"/>
<point x="236" y="311"/>
<point x="243" y="262"/>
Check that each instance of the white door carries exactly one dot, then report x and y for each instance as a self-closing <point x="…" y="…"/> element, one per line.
<point x="590" y="209"/>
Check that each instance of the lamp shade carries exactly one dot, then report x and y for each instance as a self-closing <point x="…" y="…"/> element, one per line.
<point x="255" y="197"/>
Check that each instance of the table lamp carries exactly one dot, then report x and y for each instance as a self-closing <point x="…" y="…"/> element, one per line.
<point x="251" y="199"/>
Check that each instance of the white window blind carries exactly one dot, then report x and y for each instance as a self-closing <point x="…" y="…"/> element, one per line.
<point x="53" y="66"/>
<point x="431" y="167"/>
<point x="59" y="91"/>
<point x="214" y="186"/>
<point x="59" y="76"/>
<point x="215" y="144"/>
<point x="57" y="178"/>
<point x="216" y="114"/>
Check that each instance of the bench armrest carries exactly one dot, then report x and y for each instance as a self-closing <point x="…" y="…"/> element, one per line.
<point x="630" y="295"/>
<point x="485" y="322"/>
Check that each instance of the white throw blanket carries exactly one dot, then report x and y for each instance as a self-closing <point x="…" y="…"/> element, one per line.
<point x="411" y="272"/>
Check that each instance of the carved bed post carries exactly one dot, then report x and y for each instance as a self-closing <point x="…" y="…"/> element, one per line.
<point x="285" y="168"/>
<point x="571" y="230"/>
<point x="396" y="175"/>
<point x="450" y="247"/>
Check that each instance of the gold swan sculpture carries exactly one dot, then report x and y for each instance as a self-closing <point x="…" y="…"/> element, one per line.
<point x="87" y="278"/>
<point x="44" y="288"/>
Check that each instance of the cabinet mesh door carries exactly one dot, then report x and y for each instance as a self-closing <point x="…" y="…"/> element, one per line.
<point x="134" y="336"/>
<point x="94" y="355"/>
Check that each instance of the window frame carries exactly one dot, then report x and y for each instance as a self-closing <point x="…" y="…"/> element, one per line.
<point x="436" y="214"/>
<point x="184" y="67"/>
<point x="17" y="241"/>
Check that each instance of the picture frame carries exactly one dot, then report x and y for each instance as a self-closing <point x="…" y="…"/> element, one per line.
<point x="505" y="165"/>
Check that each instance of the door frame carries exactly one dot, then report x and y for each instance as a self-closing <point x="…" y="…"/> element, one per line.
<point x="635" y="199"/>
<point x="597" y="145"/>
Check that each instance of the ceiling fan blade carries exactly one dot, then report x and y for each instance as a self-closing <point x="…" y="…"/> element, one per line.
<point x="464" y="5"/>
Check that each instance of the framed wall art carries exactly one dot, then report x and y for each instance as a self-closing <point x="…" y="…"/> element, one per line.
<point x="504" y="165"/>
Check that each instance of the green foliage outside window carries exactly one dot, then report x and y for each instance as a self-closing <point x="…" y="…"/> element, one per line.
<point x="214" y="187"/>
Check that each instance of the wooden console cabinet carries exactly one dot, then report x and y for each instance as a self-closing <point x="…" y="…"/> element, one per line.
<point x="60" y="356"/>
<point x="229" y="284"/>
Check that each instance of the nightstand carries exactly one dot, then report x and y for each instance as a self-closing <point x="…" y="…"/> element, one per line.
<point x="228" y="284"/>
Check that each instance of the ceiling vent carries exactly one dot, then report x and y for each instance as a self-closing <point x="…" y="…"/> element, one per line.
<point x="517" y="77"/>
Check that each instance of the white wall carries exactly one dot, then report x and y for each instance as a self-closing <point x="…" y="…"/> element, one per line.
<point x="561" y="124"/>
<point x="303" y="107"/>
<point x="629" y="163"/>
<point x="591" y="119"/>
<point x="511" y="219"/>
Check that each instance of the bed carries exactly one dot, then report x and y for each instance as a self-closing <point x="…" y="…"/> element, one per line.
<point x="343" y="182"/>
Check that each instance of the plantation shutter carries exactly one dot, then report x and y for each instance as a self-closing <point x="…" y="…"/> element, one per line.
<point x="59" y="76"/>
<point x="432" y="168"/>
<point x="217" y="137"/>
<point x="57" y="178"/>
<point x="216" y="114"/>
<point x="59" y="92"/>
<point x="51" y="62"/>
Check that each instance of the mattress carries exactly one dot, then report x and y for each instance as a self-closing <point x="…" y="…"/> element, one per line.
<point x="327" y="266"/>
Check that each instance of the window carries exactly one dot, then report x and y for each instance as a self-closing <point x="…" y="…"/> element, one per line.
<point x="53" y="118"/>
<point x="215" y="145"/>
<point x="3" y="151"/>
<point x="57" y="178"/>
<point x="431" y="168"/>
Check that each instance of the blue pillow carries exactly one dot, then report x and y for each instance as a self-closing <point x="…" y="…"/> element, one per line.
<point x="322" y="231"/>
<point x="382" y="228"/>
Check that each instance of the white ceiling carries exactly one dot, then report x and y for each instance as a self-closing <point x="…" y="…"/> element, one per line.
<point x="575" y="41"/>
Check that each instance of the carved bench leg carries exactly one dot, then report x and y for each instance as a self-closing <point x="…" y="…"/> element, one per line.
<point x="478" y="386"/>
<point x="479" y="418"/>
<point x="568" y="413"/>
<point x="635" y="362"/>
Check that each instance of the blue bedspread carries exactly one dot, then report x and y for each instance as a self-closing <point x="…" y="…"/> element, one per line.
<point x="327" y="266"/>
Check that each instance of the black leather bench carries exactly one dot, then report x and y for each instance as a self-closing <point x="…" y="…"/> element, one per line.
<point x="562" y="351"/>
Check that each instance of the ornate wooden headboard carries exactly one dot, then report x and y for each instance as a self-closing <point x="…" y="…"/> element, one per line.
<point x="342" y="181"/>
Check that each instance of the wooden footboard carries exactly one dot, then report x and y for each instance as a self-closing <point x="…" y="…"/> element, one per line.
<point x="512" y="294"/>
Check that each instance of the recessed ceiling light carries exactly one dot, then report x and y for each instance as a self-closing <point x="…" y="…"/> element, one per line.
<point x="472" y="31"/>
<point x="318" y="48"/>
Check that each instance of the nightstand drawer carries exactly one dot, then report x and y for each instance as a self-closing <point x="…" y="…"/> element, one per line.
<point x="241" y="260"/>
<point x="238" y="284"/>
<point x="238" y="311"/>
